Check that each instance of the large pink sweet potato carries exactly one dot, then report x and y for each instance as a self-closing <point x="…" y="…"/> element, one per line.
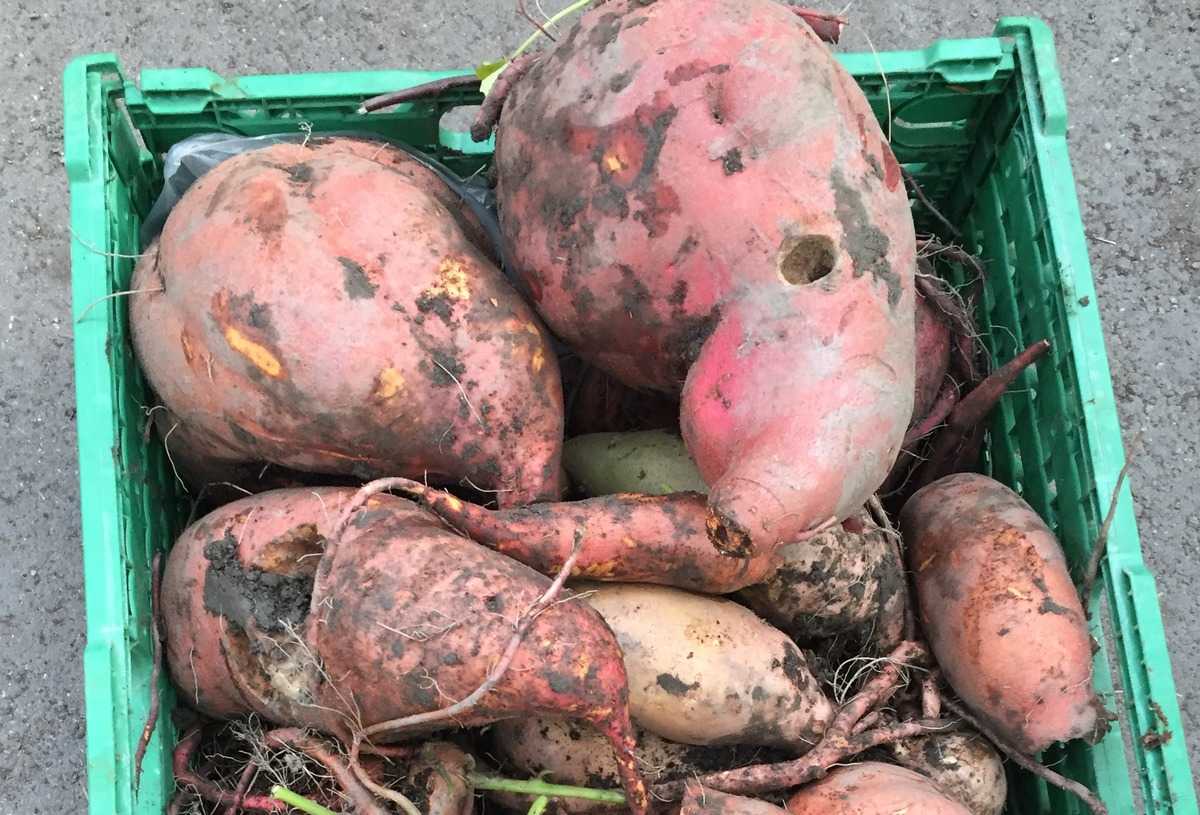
<point x="410" y="617"/>
<point x="263" y="614"/>
<point x="324" y="308"/>
<point x="1000" y="610"/>
<point x="700" y="200"/>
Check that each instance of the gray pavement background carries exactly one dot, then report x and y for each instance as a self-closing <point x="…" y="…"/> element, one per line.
<point x="1132" y="76"/>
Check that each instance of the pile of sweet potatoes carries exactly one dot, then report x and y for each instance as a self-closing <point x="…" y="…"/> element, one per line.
<point x="731" y="559"/>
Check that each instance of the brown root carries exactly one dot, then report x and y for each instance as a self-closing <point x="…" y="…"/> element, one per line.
<point x="489" y="111"/>
<point x="947" y="398"/>
<point x="325" y="754"/>
<point x="155" y="671"/>
<point x="826" y="26"/>
<point x="185" y="777"/>
<point x="1092" y="570"/>
<point x="955" y="446"/>
<point x="428" y="89"/>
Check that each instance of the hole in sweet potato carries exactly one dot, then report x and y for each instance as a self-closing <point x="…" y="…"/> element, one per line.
<point x="806" y="260"/>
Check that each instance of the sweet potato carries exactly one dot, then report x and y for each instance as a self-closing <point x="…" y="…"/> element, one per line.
<point x="625" y="537"/>
<point x="440" y="772"/>
<point x="872" y="788"/>
<point x="700" y="200"/>
<point x="288" y="323"/>
<point x="1000" y="611"/>
<point x="652" y="462"/>
<point x="837" y="583"/>
<point x="408" y="617"/>
<point x="566" y="752"/>
<point x="698" y="800"/>
<point x="707" y="671"/>
<point x="964" y="765"/>
<point x="400" y="617"/>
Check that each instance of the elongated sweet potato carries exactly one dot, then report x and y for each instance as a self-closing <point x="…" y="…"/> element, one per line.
<point x="1000" y="611"/>
<point x="837" y="583"/>
<point x="625" y="537"/>
<point x="707" y="671"/>
<point x="698" y="800"/>
<point x="964" y="765"/>
<point x="872" y="788"/>
<point x="652" y="462"/>
<point x="701" y="201"/>
<point x="298" y="326"/>
<point x="408" y="617"/>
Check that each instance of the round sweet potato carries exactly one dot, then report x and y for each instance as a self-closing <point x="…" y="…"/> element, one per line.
<point x="703" y="670"/>
<point x="871" y="788"/>
<point x="964" y="765"/>
<point x="837" y="583"/>
<point x="1001" y="612"/>
<point x="700" y="200"/>
<point x="296" y="325"/>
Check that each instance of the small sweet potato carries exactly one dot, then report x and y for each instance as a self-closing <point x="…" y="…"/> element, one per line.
<point x="701" y="202"/>
<point x="440" y="773"/>
<point x="286" y="322"/>
<point x="575" y="753"/>
<point x="837" y="583"/>
<point x="964" y="765"/>
<point x="698" y="800"/>
<point x="703" y="670"/>
<point x="1000" y="611"/>
<point x="872" y="788"/>
<point x="624" y="537"/>
<point x="651" y="462"/>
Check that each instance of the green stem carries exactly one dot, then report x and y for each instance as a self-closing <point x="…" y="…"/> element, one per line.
<point x="299" y="802"/>
<point x="541" y="788"/>
<point x="532" y="38"/>
<point x="539" y="805"/>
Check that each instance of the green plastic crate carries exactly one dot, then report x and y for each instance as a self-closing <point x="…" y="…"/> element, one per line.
<point x="980" y="122"/>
